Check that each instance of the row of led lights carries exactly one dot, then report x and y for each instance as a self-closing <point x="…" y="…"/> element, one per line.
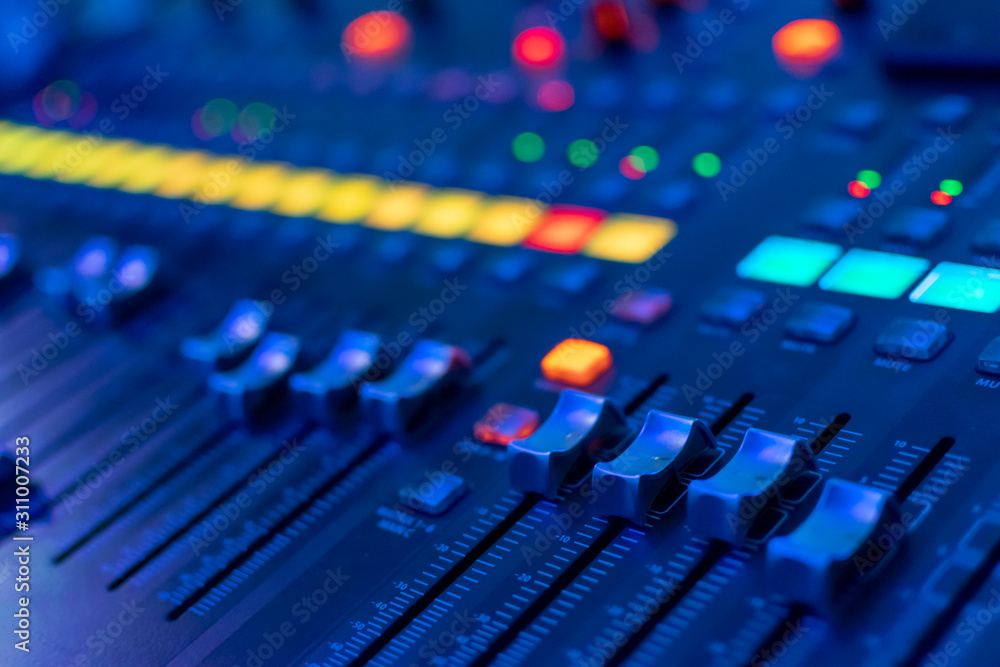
<point x="583" y="153"/>
<point x="283" y="189"/>
<point x="869" y="179"/>
<point x="802" y="262"/>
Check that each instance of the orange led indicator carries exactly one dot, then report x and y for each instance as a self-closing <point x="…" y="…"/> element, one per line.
<point x="377" y="35"/>
<point x="804" y="46"/>
<point x="576" y="361"/>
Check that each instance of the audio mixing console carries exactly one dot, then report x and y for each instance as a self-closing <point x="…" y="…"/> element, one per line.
<point x="436" y="332"/>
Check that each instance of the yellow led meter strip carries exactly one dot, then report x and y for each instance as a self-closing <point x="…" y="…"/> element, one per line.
<point x="202" y="178"/>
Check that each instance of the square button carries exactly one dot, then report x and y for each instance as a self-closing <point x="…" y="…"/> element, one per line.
<point x="909" y="338"/>
<point x="871" y="273"/>
<point x="630" y="238"/>
<point x="643" y="306"/>
<point x="565" y="229"/>
<point x="916" y="227"/>
<point x="989" y="359"/>
<point x="732" y="306"/>
<point x="788" y="261"/>
<point x="434" y="499"/>
<point x="504" y="423"/>
<point x="576" y="361"/>
<point x="960" y="286"/>
<point x="505" y="221"/>
<point x="819" y="323"/>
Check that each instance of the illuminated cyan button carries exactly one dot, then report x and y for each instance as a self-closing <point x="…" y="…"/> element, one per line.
<point x="960" y="286"/>
<point x="871" y="273"/>
<point x="576" y="361"/>
<point x="630" y="238"/>
<point x="780" y="259"/>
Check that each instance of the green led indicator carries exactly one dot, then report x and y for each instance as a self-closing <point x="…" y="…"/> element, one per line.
<point x="871" y="273"/>
<point x="706" y="165"/>
<point x="582" y="153"/>
<point x="870" y="177"/>
<point x="788" y="261"/>
<point x="218" y="116"/>
<point x="647" y="156"/>
<point x="528" y="147"/>
<point x="951" y="187"/>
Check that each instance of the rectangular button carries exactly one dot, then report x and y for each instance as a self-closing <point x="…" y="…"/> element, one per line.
<point x="732" y="307"/>
<point x="819" y="322"/>
<point x="916" y="227"/>
<point x="989" y="359"/>
<point x="788" y="261"/>
<point x="433" y="498"/>
<point x="961" y="286"/>
<point x="909" y="338"/>
<point x="871" y="273"/>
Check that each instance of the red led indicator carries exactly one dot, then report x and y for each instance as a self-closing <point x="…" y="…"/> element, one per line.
<point x="565" y="229"/>
<point x="539" y="47"/>
<point x="858" y="189"/>
<point x="940" y="198"/>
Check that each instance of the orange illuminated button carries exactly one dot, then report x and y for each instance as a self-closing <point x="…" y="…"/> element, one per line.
<point x="504" y="423"/>
<point x="377" y="35"/>
<point x="565" y="229"/>
<point x="576" y="361"/>
<point x="806" y="45"/>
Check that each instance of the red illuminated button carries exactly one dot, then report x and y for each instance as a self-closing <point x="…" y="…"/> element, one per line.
<point x="576" y="361"/>
<point x="565" y="229"/>
<point x="643" y="306"/>
<point x="504" y="423"/>
<point x="539" y="47"/>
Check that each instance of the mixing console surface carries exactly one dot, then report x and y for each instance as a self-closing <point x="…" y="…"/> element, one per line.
<point x="429" y="332"/>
